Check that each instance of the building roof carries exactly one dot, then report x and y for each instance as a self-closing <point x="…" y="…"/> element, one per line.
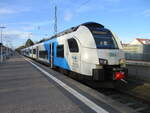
<point x="143" y="41"/>
<point x="125" y="44"/>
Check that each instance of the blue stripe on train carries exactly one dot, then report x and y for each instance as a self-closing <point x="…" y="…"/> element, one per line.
<point x="60" y="62"/>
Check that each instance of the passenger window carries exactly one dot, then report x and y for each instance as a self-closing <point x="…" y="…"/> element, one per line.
<point x="60" y="51"/>
<point x="43" y="54"/>
<point x="34" y="51"/>
<point x="30" y="51"/>
<point x="73" y="46"/>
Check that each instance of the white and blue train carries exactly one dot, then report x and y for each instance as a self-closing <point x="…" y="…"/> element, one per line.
<point x="90" y="50"/>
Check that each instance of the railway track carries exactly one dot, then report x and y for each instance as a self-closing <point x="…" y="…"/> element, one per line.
<point x="136" y="103"/>
<point x="132" y="101"/>
<point x="139" y="105"/>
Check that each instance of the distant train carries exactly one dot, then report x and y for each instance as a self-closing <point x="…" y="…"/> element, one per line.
<point x="90" y="50"/>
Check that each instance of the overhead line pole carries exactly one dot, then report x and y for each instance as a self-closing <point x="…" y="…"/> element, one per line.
<point x="55" y="33"/>
<point x="55" y="24"/>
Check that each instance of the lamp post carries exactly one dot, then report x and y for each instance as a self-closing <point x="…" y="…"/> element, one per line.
<point x="2" y="27"/>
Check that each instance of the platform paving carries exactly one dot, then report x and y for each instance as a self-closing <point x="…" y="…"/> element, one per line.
<point x="23" y="89"/>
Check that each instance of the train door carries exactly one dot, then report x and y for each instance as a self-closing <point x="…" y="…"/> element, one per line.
<point x="31" y="52"/>
<point x="37" y="52"/>
<point x="73" y="54"/>
<point x="52" y="54"/>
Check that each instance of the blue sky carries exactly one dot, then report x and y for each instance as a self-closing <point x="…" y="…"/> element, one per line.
<point x="34" y="19"/>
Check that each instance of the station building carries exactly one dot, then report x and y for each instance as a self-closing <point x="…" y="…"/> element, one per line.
<point x="5" y="51"/>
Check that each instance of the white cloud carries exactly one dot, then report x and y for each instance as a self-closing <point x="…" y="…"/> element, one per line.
<point x="14" y="37"/>
<point x="146" y="12"/>
<point x="68" y="15"/>
<point x="13" y="34"/>
<point x="13" y="10"/>
<point x="29" y="26"/>
<point x="18" y="37"/>
<point x="6" y="11"/>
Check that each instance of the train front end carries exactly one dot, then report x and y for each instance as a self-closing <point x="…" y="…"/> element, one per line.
<point x="112" y="64"/>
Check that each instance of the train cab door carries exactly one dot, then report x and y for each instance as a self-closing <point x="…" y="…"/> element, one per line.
<point x="73" y="54"/>
<point x="52" y="55"/>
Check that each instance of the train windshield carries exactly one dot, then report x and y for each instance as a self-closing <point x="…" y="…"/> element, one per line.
<point x="104" y="39"/>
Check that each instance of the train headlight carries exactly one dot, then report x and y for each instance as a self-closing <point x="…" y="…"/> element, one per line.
<point x="103" y="61"/>
<point x="122" y="62"/>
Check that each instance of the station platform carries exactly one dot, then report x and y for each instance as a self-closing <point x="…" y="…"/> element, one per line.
<point x="138" y="63"/>
<point x="29" y="87"/>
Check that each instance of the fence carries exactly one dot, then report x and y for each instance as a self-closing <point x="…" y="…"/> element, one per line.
<point x="137" y="56"/>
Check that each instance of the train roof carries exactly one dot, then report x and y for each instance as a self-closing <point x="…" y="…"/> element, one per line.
<point x="72" y="29"/>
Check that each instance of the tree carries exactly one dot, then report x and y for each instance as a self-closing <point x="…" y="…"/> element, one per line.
<point x="29" y="42"/>
<point x="19" y="48"/>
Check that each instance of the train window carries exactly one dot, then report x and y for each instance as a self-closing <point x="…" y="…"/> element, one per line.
<point x="30" y="51"/>
<point x="34" y="51"/>
<point x="73" y="46"/>
<point x="104" y="39"/>
<point x="60" y="51"/>
<point x="43" y="54"/>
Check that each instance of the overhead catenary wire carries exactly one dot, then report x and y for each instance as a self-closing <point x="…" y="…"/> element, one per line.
<point x="84" y="3"/>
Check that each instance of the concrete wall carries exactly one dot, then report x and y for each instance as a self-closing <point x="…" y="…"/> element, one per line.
<point x="137" y="52"/>
<point x="140" y="72"/>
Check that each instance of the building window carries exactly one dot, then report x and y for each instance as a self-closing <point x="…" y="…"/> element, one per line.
<point x="60" y="51"/>
<point x="73" y="46"/>
<point x="43" y="54"/>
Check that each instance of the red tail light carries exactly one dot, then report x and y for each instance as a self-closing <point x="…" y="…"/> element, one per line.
<point x="119" y="75"/>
